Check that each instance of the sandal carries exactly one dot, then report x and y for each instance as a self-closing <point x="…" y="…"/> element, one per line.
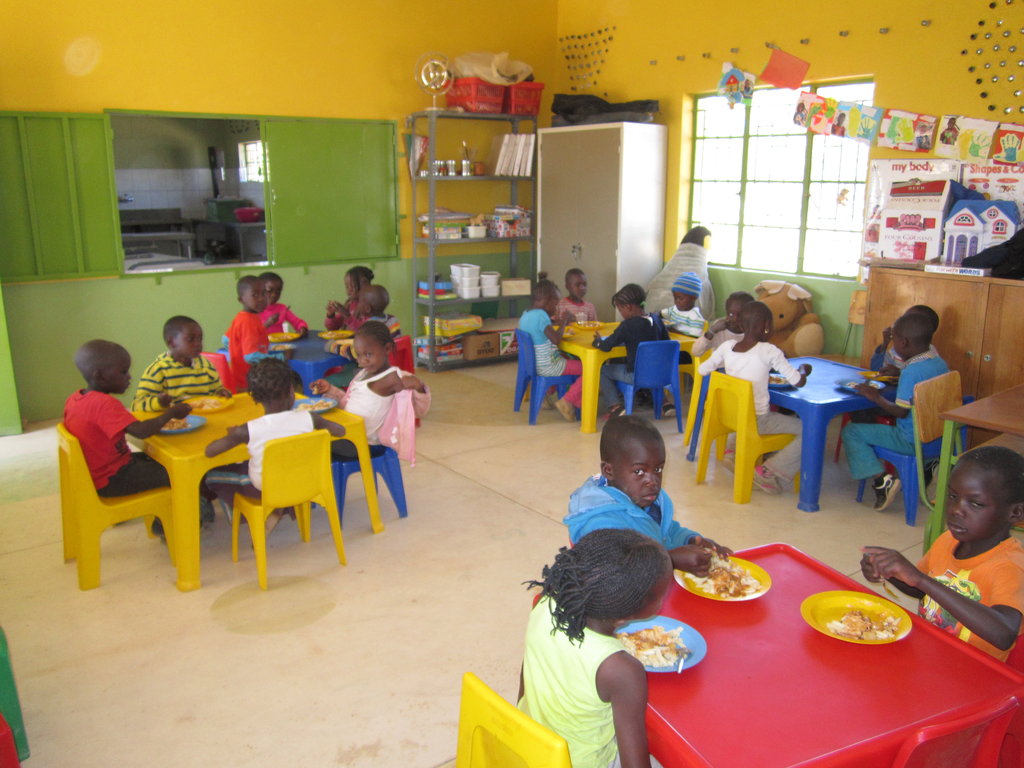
<point x="616" y="410"/>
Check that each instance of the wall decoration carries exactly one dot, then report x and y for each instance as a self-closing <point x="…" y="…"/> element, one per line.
<point x="736" y="85"/>
<point x="994" y="58"/>
<point x="973" y="138"/>
<point x="806" y="102"/>
<point x="785" y="70"/>
<point x="995" y="182"/>
<point x="585" y="55"/>
<point x="1006" y="145"/>
<point x="908" y="131"/>
<point x="864" y="123"/>
<point x="821" y="115"/>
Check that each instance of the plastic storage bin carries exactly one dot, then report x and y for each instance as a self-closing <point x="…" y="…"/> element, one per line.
<point x="523" y="98"/>
<point x="223" y="208"/>
<point x="476" y="95"/>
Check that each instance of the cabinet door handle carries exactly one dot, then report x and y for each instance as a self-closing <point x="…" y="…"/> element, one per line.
<point x="970" y="353"/>
<point x="987" y="358"/>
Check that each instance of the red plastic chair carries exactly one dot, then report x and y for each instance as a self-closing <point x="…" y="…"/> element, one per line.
<point x="881" y="418"/>
<point x="401" y="354"/>
<point x="223" y="368"/>
<point x="972" y="741"/>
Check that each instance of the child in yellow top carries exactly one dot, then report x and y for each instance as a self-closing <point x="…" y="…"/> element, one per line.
<point x="971" y="580"/>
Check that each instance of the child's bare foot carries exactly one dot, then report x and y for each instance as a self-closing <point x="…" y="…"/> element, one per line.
<point x="276" y="515"/>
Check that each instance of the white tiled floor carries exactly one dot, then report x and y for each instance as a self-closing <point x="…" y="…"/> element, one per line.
<point x="350" y="666"/>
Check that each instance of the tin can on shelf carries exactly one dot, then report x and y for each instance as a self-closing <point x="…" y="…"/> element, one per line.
<point x="467" y="168"/>
<point x="451" y="167"/>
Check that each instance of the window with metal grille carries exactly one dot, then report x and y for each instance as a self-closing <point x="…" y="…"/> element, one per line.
<point x="250" y="161"/>
<point x="775" y="196"/>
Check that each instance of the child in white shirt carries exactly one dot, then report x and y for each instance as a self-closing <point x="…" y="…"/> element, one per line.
<point x="752" y="358"/>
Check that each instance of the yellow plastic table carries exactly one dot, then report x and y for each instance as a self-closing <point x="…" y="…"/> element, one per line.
<point x="581" y="344"/>
<point x="183" y="456"/>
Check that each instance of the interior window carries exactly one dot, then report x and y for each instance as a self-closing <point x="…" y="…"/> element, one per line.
<point x="775" y="196"/>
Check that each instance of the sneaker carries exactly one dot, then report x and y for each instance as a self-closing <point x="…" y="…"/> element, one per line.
<point x="766" y="480"/>
<point x="886" y="488"/>
<point x="548" y="404"/>
<point x="668" y="409"/>
<point x="157" y="528"/>
<point x="729" y="460"/>
<point x="567" y="409"/>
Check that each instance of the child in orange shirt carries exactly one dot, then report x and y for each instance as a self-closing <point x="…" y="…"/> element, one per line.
<point x="247" y="338"/>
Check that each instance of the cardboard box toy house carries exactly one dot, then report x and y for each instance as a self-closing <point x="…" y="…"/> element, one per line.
<point x="974" y="225"/>
<point x="911" y="226"/>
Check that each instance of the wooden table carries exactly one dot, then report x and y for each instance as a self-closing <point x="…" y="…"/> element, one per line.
<point x="183" y="455"/>
<point x="1001" y="412"/>
<point x="772" y="692"/>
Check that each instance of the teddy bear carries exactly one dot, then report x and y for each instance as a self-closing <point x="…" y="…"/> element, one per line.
<point x="797" y="330"/>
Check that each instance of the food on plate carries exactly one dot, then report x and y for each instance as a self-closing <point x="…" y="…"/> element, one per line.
<point x="205" y="403"/>
<point x="590" y="325"/>
<point x="727" y="579"/>
<point x="342" y="334"/>
<point x="858" y="625"/>
<point x="281" y="347"/>
<point x="315" y="406"/>
<point x="655" y="647"/>
<point x="172" y="424"/>
<point x="777" y="379"/>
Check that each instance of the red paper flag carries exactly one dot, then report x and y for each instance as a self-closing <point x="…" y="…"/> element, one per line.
<point x="785" y="70"/>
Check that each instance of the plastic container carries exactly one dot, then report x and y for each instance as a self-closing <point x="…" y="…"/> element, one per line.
<point x="469" y="292"/>
<point x="223" y="208"/>
<point x="523" y="98"/>
<point x="476" y="230"/>
<point x="465" y="270"/>
<point x="476" y="95"/>
<point x="490" y="278"/>
<point x="249" y="214"/>
<point x="490" y="291"/>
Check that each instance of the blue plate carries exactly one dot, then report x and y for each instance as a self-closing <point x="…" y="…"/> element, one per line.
<point x="194" y="423"/>
<point x="850" y="385"/>
<point x="691" y="638"/>
<point x="314" y="404"/>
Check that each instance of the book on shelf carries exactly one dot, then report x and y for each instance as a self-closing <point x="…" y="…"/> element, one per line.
<point x="947" y="269"/>
<point x="511" y="154"/>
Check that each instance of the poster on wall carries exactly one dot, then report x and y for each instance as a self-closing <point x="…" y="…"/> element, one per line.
<point x="865" y="122"/>
<point x="908" y="131"/>
<point x="821" y="115"/>
<point x="736" y="85"/>
<point x="995" y="182"/>
<point x="966" y="138"/>
<point x="804" y="105"/>
<point x="1006" y="145"/>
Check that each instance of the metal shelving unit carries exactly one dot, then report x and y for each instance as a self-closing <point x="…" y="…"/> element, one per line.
<point x="425" y="249"/>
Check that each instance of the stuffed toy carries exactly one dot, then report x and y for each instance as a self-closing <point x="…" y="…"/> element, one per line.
<point x="797" y="330"/>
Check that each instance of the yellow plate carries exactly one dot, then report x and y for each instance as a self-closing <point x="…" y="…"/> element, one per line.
<point x="818" y="610"/>
<point x="342" y="334"/>
<point x="589" y="325"/>
<point x="688" y="582"/>
<point x="279" y="337"/>
<point x="205" y="403"/>
<point x="876" y="376"/>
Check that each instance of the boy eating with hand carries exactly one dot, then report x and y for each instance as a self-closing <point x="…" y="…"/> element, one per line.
<point x="247" y="338"/>
<point x="628" y="494"/>
<point x="180" y="372"/>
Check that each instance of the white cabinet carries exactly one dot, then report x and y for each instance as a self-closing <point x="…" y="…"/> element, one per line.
<point x="601" y="205"/>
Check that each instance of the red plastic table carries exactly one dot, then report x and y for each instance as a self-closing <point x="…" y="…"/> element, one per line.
<point x="774" y="692"/>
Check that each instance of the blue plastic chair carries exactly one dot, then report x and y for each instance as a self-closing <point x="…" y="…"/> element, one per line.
<point x="385" y="463"/>
<point x="526" y="375"/>
<point x="656" y="367"/>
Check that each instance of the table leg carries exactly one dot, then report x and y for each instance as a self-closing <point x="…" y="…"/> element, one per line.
<point x="937" y="519"/>
<point x="699" y="418"/>
<point x="591" y="384"/>
<point x="185" y="512"/>
<point x="357" y="434"/>
<point x="812" y="457"/>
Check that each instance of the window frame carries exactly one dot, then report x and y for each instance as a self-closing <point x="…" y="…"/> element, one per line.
<point x="807" y="181"/>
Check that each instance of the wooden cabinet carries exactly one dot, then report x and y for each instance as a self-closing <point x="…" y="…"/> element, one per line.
<point x="601" y="203"/>
<point x="981" y="322"/>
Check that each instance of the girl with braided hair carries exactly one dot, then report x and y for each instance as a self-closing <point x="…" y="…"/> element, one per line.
<point x="636" y="326"/>
<point x="577" y="678"/>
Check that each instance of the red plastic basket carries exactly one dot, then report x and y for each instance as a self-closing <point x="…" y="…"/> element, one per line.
<point x="523" y="98"/>
<point x="476" y="95"/>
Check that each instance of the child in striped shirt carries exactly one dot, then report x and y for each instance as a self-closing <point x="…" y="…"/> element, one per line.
<point x="180" y="372"/>
<point x="684" y="315"/>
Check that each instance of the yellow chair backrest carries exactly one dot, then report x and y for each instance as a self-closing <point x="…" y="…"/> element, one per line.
<point x="495" y="734"/>
<point x="296" y="469"/>
<point x="733" y="401"/>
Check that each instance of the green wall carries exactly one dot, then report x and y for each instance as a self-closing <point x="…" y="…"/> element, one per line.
<point x="10" y="414"/>
<point x="831" y="298"/>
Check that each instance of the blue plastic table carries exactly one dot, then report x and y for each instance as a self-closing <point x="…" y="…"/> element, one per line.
<point x="310" y="359"/>
<point x="815" y="403"/>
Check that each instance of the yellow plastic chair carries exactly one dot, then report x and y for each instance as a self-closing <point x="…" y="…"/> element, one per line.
<point x="730" y="408"/>
<point x="296" y="471"/>
<point x="85" y="514"/>
<point x="494" y="734"/>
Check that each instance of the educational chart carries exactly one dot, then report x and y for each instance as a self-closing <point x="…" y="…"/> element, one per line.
<point x="965" y="138"/>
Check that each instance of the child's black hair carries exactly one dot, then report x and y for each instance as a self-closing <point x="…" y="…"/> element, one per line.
<point x="915" y="327"/>
<point x="271" y="276"/>
<point x="268" y="379"/>
<point x="95" y="355"/>
<point x="630" y="293"/>
<point x="376" y="330"/>
<point x="607" y="575"/>
<point x="1007" y="464"/>
<point x="742" y="297"/>
<point x="621" y="430"/>
<point x="544" y="288"/>
<point x="574" y="271"/>
<point x="926" y="311"/>
<point x="754" y="311"/>
<point x="696" y="236"/>
<point x="176" y="325"/>
<point x="245" y="280"/>
<point x="377" y="298"/>
<point x="360" y="275"/>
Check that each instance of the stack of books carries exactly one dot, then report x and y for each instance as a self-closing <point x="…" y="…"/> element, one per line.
<point x="512" y="154"/>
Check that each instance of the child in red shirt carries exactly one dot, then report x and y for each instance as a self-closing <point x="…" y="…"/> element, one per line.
<point x="247" y="338"/>
<point x="276" y="314"/>
<point x="100" y="423"/>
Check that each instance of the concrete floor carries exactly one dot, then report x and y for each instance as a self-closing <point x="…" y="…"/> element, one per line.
<point x="354" y="666"/>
